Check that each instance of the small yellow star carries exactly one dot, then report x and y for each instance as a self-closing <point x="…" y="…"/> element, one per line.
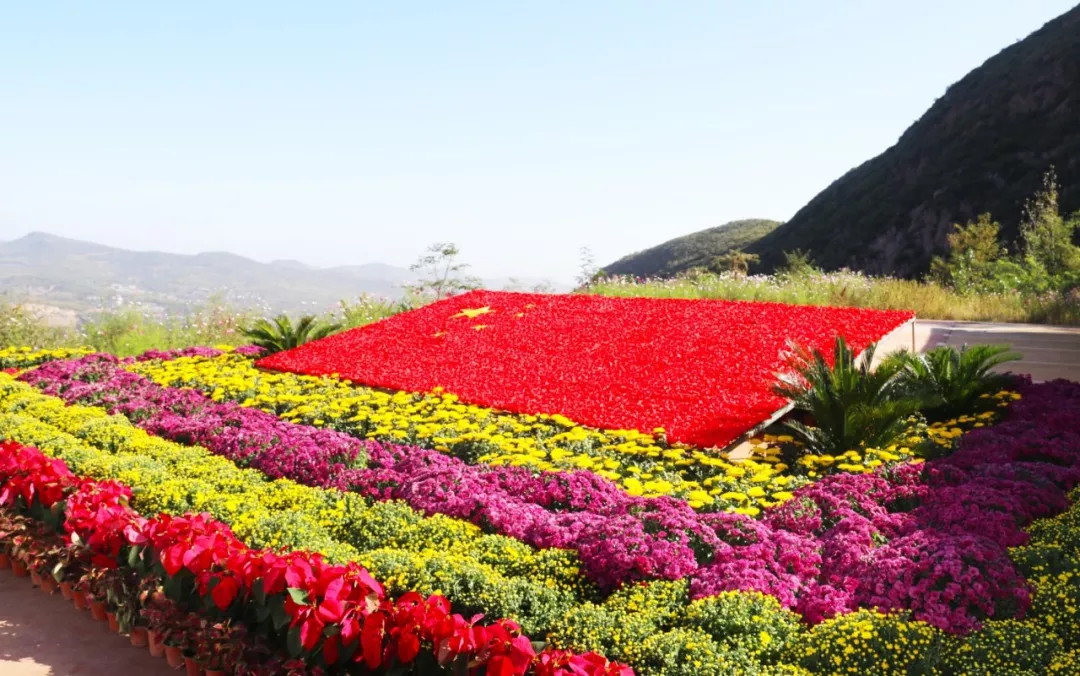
<point x="440" y="333"/>
<point x="479" y="327"/>
<point x="473" y="312"/>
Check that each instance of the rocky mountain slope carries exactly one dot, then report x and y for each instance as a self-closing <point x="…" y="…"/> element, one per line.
<point x="982" y="147"/>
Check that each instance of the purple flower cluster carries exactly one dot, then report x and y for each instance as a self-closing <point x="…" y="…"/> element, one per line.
<point x="931" y="538"/>
<point x="197" y="351"/>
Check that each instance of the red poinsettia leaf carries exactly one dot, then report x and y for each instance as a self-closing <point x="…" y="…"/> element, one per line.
<point x="331" y="649"/>
<point x="331" y="611"/>
<point x="310" y="632"/>
<point x="371" y="639"/>
<point x="224" y="592"/>
<point x="408" y="647"/>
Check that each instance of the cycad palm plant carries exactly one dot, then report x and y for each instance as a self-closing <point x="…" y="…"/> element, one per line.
<point x="850" y="404"/>
<point x="280" y="334"/>
<point x="951" y="381"/>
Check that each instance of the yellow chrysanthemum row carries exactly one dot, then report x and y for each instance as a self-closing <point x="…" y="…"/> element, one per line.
<point x="25" y="357"/>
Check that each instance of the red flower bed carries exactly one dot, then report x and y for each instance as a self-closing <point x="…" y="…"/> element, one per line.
<point x="701" y="369"/>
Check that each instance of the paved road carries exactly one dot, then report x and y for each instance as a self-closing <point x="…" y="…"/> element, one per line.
<point x="44" y="635"/>
<point x="1048" y="351"/>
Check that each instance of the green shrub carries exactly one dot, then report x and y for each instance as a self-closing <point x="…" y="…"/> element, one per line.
<point x="852" y="405"/>
<point x="950" y="382"/>
<point x="750" y="621"/>
<point x="1004" y="647"/>
<point x="280" y="334"/>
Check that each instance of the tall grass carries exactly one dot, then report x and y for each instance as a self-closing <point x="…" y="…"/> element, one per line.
<point x="848" y="289"/>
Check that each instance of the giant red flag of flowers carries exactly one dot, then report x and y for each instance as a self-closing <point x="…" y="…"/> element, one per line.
<point x="701" y="369"/>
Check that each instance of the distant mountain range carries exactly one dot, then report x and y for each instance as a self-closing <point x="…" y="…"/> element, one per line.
<point x="982" y="147"/>
<point x="70" y="275"/>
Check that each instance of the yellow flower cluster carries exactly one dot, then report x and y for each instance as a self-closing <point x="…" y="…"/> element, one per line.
<point x="1003" y="647"/>
<point x="26" y="357"/>
<point x="492" y="574"/>
<point x="870" y="643"/>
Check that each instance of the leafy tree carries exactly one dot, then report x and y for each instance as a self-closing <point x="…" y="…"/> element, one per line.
<point x="1047" y="235"/>
<point x="850" y="404"/>
<point x="280" y="334"/>
<point x="973" y="249"/>
<point x="950" y="381"/>
<point x="441" y="273"/>
<point x="736" y="261"/>
<point x="798" y="263"/>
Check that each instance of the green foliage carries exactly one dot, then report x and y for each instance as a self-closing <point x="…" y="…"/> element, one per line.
<point x="851" y="405"/>
<point x="368" y="309"/>
<point x="978" y="263"/>
<point x="798" y="263"/>
<point x="950" y="381"/>
<point x="736" y="261"/>
<point x="19" y="326"/>
<point x="280" y="334"/>
<point x="441" y="273"/>
<point x="973" y="250"/>
<point x="750" y="621"/>
<point x="1048" y="236"/>
<point x="129" y="332"/>
<point x="928" y="299"/>
<point x="690" y="251"/>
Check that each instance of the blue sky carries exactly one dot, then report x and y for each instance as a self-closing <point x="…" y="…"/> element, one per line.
<point x="351" y="132"/>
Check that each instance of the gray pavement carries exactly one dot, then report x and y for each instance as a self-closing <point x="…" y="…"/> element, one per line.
<point x="1048" y="352"/>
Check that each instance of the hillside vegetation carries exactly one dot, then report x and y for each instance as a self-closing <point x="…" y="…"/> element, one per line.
<point x="694" y="250"/>
<point x="982" y="147"/>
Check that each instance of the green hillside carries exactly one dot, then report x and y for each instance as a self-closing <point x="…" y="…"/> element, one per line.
<point x="695" y="249"/>
<point x="983" y="146"/>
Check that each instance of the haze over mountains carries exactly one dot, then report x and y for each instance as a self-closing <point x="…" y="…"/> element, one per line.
<point x="68" y="274"/>
<point x="982" y="147"/>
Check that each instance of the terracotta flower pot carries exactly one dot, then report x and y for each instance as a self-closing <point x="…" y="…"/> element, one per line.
<point x="193" y="668"/>
<point x="19" y="568"/>
<point x="48" y="584"/>
<point x="5" y="561"/>
<point x="35" y="578"/>
<point x="97" y="609"/>
<point x="139" y="637"/>
<point x="174" y="656"/>
<point x="66" y="591"/>
<point x="157" y="648"/>
<point x="113" y="624"/>
<point x="78" y="596"/>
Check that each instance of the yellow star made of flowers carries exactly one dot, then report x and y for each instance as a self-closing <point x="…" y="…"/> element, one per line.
<point x="473" y="312"/>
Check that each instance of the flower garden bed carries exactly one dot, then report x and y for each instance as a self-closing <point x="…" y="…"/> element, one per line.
<point x="655" y="554"/>
<point x="700" y="370"/>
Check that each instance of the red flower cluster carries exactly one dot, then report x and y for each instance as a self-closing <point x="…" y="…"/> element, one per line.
<point x="701" y="369"/>
<point x="339" y="612"/>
